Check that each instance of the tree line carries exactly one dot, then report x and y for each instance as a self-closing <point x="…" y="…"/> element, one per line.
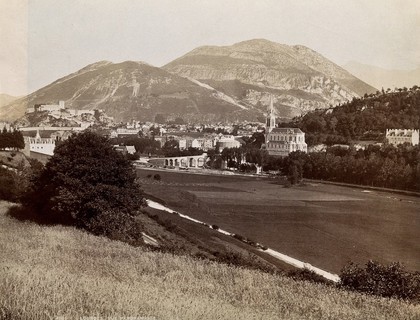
<point x="380" y="166"/>
<point x="11" y="139"/>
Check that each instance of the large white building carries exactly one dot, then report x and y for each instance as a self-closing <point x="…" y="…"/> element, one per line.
<point x="400" y="136"/>
<point x="37" y="144"/>
<point x="227" y="141"/>
<point x="282" y="141"/>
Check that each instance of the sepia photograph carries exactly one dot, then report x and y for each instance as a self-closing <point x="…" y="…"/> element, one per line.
<point x="209" y="159"/>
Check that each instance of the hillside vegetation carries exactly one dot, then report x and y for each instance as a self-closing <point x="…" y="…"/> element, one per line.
<point x="364" y="118"/>
<point x="48" y="272"/>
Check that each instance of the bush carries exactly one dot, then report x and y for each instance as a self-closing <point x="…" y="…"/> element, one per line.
<point x="382" y="280"/>
<point x="239" y="237"/>
<point x="307" y="275"/>
<point x="115" y="225"/>
<point x="14" y="183"/>
<point x="157" y="177"/>
<point x="215" y="227"/>
<point x="89" y="184"/>
<point x="8" y="189"/>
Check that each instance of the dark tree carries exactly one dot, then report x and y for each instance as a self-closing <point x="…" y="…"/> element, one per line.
<point x="89" y="184"/>
<point x="11" y="139"/>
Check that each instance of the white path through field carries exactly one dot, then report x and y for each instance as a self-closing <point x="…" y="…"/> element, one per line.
<point x="292" y="261"/>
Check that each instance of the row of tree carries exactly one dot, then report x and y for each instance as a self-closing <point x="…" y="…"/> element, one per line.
<point x="386" y="166"/>
<point x="381" y="166"/>
<point x="11" y="139"/>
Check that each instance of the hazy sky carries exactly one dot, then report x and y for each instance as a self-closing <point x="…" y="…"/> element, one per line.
<point x="42" y="40"/>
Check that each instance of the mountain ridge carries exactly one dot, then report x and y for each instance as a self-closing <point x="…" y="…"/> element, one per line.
<point x="208" y="84"/>
<point x="272" y="66"/>
<point x="128" y="90"/>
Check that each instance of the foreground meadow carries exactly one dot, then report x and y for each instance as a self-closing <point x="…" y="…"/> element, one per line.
<point x="60" y="272"/>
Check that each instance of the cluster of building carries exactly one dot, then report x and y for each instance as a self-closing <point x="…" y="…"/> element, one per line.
<point x="84" y="118"/>
<point x="200" y="141"/>
<point x="278" y="141"/>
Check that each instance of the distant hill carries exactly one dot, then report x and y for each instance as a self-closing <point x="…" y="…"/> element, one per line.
<point x="6" y="99"/>
<point x="383" y="78"/>
<point x="364" y="118"/>
<point x="133" y="90"/>
<point x="299" y="78"/>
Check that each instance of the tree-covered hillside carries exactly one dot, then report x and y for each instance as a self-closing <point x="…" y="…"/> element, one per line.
<point x="364" y="118"/>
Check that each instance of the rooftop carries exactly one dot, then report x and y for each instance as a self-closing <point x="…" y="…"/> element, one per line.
<point x="287" y="130"/>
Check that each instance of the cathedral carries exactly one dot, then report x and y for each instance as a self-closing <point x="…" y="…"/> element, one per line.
<point x="282" y="141"/>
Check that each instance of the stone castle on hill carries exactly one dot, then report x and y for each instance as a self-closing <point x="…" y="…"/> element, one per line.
<point x="282" y="141"/>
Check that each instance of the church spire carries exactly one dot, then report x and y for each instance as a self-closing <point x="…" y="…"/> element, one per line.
<point x="271" y="117"/>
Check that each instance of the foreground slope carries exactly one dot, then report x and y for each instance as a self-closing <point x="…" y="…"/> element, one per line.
<point x="60" y="271"/>
<point x="299" y="78"/>
<point x="131" y="90"/>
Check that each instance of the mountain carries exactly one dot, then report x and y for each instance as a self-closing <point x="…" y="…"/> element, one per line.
<point x="6" y="99"/>
<point x="133" y="90"/>
<point x="383" y="78"/>
<point x="209" y="84"/>
<point x="299" y="78"/>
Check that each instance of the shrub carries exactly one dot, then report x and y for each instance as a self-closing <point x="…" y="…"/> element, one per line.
<point x="215" y="227"/>
<point x="8" y="190"/>
<point x="89" y="184"/>
<point x="381" y="280"/>
<point x="307" y="275"/>
<point x="157" y="177"/>
<point x="239" y="237"/>
<point x="115" y="225"/>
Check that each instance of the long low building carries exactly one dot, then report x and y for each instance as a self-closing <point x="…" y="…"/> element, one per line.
<point x="181" y="161"/>
<point x="400" y="136"/>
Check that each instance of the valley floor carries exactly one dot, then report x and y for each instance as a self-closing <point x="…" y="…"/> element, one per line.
<point x="56" y="272"/>
<point x="324" y="225"/>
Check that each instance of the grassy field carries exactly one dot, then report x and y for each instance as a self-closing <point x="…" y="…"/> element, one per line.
<point x="63" y="273"/>
<point x="324" y="225"/>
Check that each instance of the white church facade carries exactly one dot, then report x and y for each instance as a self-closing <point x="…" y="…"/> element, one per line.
<point x="282" y="141"/>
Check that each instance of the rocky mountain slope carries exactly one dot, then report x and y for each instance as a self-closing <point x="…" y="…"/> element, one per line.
<point x="384" y="78"/>
<point x="209" y="84"/>
<point x="299" y="78"/>
<point x="133" y="90"/>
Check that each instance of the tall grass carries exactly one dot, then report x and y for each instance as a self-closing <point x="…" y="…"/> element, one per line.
<point x="49" y="272"/>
